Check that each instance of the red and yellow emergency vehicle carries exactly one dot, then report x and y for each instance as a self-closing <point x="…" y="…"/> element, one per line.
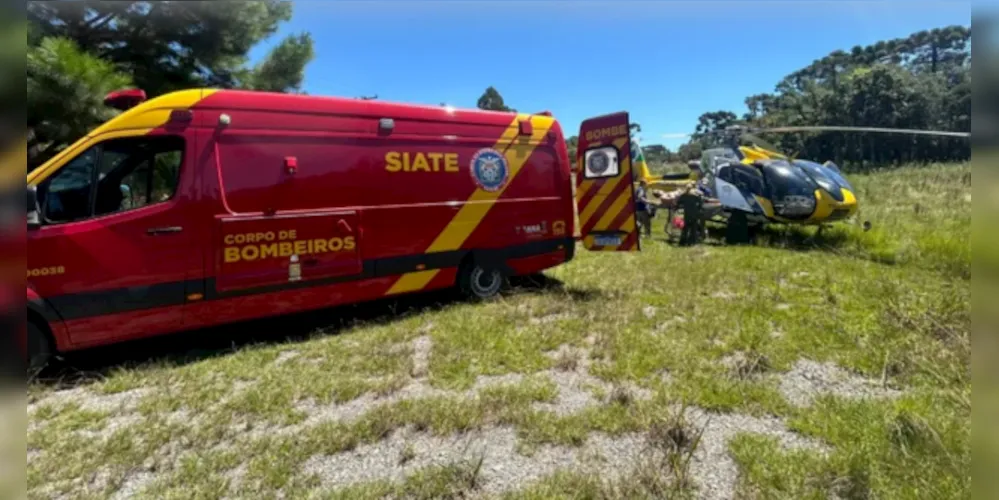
<point x="205" y="206"/>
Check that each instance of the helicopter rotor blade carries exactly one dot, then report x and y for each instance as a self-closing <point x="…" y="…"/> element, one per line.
<point x="760" y="141"/>
<point x="832" y="128"/>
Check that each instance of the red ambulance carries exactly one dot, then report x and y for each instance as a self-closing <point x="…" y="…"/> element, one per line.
<point x="204" y="206"/>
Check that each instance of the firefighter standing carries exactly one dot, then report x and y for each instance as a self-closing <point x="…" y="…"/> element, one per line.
<point x="642" y="214"/>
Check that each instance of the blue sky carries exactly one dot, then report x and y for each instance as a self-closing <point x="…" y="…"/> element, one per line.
<point x="665" y="62"/>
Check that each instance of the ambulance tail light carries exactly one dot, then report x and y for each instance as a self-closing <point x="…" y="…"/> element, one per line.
<point x="125" y="99"/>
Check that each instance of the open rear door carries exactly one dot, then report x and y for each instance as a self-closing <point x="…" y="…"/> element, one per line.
<point x="605" y="189"/>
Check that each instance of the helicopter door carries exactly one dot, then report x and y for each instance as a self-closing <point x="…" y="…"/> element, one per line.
<point x="605" y="197"/>
<point x="728" y="191"/>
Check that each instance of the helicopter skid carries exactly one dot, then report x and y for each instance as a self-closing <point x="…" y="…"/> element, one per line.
<point x="725" y="214"/>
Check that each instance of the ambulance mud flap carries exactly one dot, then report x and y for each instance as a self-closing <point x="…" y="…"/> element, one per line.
<point x="605" y="190"/>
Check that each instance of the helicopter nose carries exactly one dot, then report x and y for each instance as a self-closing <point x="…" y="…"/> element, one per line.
<point x="845" y="208"/>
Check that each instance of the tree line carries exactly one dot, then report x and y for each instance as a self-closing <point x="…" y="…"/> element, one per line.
<point x="79" y="51"/>
<point x="922" y="81"/>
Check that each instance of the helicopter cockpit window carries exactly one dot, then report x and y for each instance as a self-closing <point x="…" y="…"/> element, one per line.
<point x="822" y="176"/>
<point x="747" y="179"/>
<point x="742" y="177"/>
<point x="785" y="180"/>
<point x="711" y="159"/>
<point x="833" y="171"/>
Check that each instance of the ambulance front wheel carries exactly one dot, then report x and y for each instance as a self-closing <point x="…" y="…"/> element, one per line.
<point x="39" y="349"/>
<point x="480" y="282"/>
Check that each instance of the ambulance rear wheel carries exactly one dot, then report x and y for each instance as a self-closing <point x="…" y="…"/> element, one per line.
<point x="481" y="283"/>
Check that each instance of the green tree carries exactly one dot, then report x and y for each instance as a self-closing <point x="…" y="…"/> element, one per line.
<point x="166" y="45"/>
<point x="283" y="69"/>
<point x="689" y="151"/>
<point x="492" y="100"/>
<point x="714" y="121"/>
<point x="12" y="49"/>
<point x="572" y="144"/>
<point x="66" y="89"/>
<point x="656" y="154"/>
<point x="922" y="81"/>
<point x="159" y="46"/>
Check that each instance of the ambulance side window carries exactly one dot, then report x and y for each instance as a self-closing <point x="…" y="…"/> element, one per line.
<point x="137" y="172"/>
<point x="66" y="196"/>
<point x="114" y="176"/>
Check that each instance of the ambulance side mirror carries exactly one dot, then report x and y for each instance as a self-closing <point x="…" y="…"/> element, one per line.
<point x="32" y="206"/>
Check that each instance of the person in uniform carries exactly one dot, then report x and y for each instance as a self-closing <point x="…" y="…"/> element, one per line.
<point x="642" y="214"/>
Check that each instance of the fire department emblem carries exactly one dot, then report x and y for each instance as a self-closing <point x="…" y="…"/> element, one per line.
<point x="489" y="169"/>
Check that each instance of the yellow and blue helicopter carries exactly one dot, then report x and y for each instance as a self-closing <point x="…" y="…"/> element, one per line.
<point x="750" y="178"/>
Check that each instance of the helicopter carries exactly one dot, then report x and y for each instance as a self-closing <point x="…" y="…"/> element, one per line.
<point x="756" y="184"/>
<point x="664" y="181"/>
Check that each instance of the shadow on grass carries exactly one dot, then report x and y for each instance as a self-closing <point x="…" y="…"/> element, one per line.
<point x="177" y="349"/>
<point x="838" y="238"/>
<point x="835" y="238"/>
<point x="800" y="238"/>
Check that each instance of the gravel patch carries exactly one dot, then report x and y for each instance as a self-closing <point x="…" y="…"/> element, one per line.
<point x="88" y="400"/>
<point x="569" y="358"/>
<point x="714" y="473"/>
<point x="808" y="379"/>
<point x="285" y="356"/>
<point x="712" y="469"/>
<point x="356" y="408"/>
<point x="548" y="318"/>
<point x="745" y="366"/>
<point x="575" y="392"/>
<point x="421" y="356"/>
<point x="236" y="476"/>
<point x="670" y="323"/>
<point x="417" y="389"/>
<point x="503" y="467"/>
<point x="134" y="485"/>
<point x="113" y="424"/>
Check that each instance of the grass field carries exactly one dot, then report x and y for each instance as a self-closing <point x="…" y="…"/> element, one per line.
<point x="797" y="367"/>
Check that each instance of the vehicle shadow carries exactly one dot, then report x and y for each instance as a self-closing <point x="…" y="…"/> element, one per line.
<point x="177" y="349"/>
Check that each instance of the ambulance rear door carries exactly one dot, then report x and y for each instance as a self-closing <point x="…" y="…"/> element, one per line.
<point x="605" y="191"/>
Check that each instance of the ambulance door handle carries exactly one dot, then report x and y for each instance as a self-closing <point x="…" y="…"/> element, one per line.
<point x="164" y="230"/>
<point x="344" y="226"/>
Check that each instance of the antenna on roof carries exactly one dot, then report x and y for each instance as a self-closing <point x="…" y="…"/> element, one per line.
<point x="368" y="98"/>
